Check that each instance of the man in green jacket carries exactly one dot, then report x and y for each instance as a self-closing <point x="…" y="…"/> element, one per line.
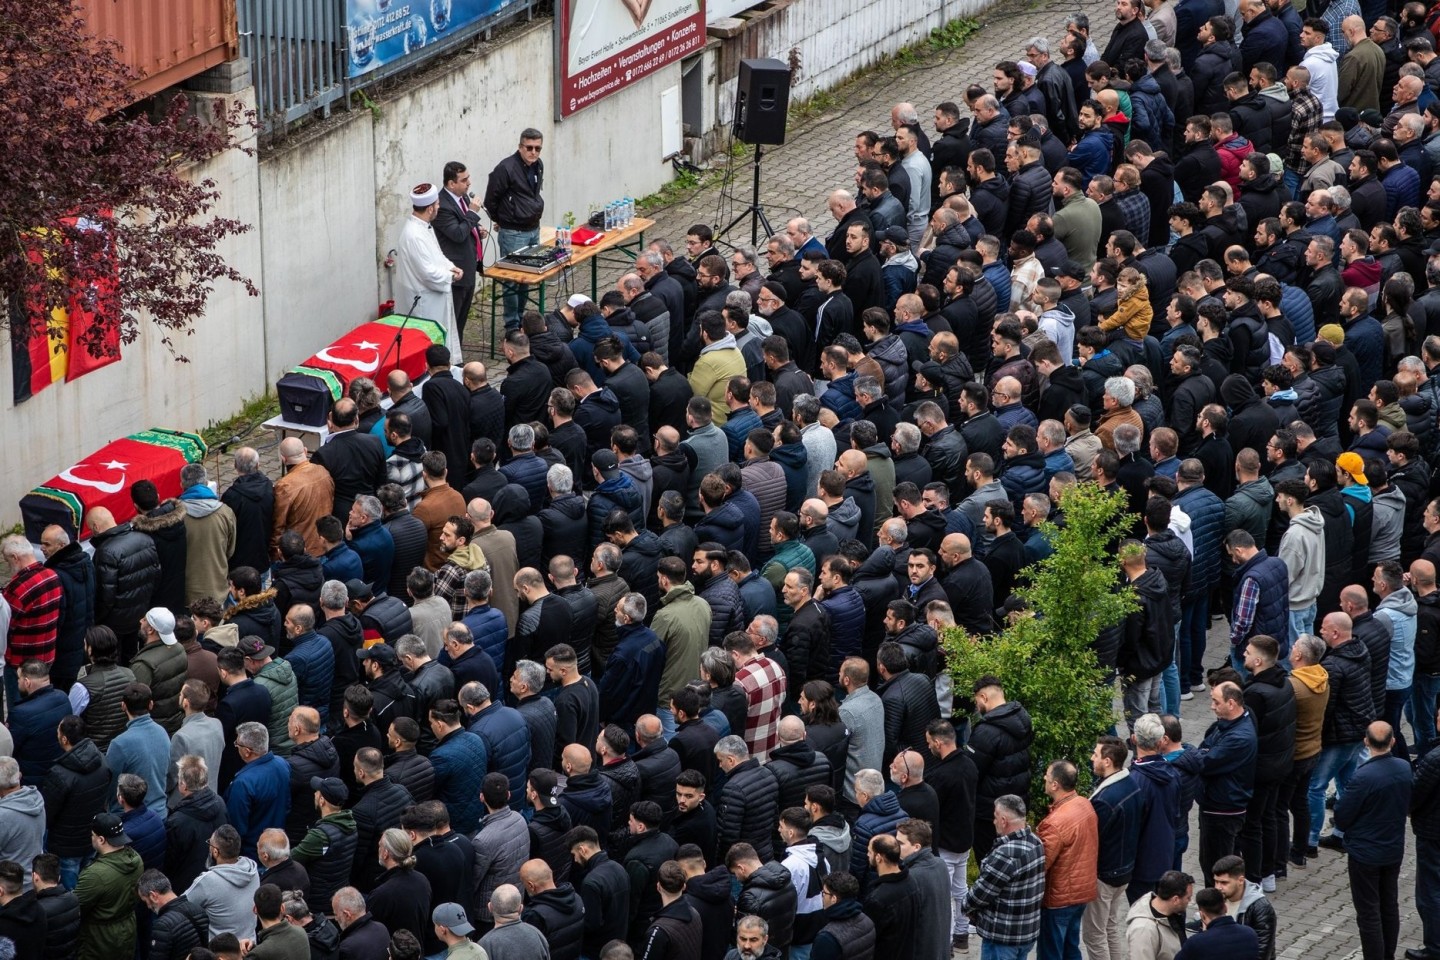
<point x="683" y="624"/>
<point x="106" y="891"/>
<point x="277" y="939"/>
<point x="327" y="851"/>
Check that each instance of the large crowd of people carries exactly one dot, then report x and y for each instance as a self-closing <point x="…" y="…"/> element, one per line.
<point x="637" y="654"/>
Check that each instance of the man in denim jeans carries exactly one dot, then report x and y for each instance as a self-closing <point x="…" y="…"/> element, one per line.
<point x="1350" y="708"/>
<point x="514" y="202"/>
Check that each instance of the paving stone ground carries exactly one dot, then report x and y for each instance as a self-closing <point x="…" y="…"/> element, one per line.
<point x="1316" y="918"/>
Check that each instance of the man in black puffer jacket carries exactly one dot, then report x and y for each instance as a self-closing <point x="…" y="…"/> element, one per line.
<point x="657" y="765"/>
<point x="61" y="907"/>
<point x="649" y="849"/>
<point x="1166" y="552"/>
<point x="199" y="814"/>
<point x="909" y="700"/>
<point x="127" y="567"/>
<point x="1339" y="537"/>
<point x="1348" y="712"/>
<point x="766" y="891"/>
<point x="77" y="602"/>
<point x="1270" y="699"/>
<point x="314" y="756"/>
<point x="179" y="925"/>
<point x="297" y="578"/>
<point x="749" y="801"/>
<point x="796" y="764"/>
<point x="1000" y="746"/>
<point x="75" y="790"/>
<point x="554" y="910"/>
<point x="379" y="802"/>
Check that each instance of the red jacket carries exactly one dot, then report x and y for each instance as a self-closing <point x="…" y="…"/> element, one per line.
<point x="1232" y="150"/>
<point x="1071" y="835"/>
<point x="34" y="598"/>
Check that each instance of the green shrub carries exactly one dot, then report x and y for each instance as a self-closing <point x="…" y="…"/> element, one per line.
<point x="1047" y="661"/>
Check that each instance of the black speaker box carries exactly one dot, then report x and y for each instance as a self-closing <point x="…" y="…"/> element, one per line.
<point x="762" y="102"/>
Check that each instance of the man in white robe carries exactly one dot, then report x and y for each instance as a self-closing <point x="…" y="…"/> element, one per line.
<point x="422" y="270"/>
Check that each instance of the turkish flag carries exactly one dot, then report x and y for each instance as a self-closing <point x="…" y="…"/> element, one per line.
<point x="370" y="351"/>
<point x="103" y="479"/>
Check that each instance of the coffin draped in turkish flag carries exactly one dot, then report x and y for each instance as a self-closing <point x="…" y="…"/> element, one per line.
<point x="307" y="391"/>
<point x="103" y="479"/>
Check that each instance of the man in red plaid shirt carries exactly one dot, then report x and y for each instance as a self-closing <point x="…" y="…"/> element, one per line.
<point x="764" y="684"/>
<point x="34" y="597"/>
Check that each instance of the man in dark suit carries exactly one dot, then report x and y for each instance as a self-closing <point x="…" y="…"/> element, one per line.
<point x="458" y="229"/>
<point x="355" y="460"/>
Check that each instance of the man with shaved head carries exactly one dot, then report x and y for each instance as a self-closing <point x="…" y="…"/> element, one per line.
<point x="587" y="794"/>
<point x="1426" y="685"/>
<point x="556" y="911"/>
<point x="499" y="549"/>
<point x="967" y="585"/>
<point x="1372" y="812"/>
<point x="860" y="487"/>
<point x="127" y="566"/>
<point x="487" y="410"/>
<point x="303" y="495"/>
<point x="1351" y="706"/>
<point x="815" y="529"/>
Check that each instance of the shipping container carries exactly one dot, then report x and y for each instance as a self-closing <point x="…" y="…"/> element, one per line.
<point x="166" y="41"/>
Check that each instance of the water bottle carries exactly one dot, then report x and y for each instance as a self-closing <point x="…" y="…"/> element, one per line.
<point x="629" y="211"/>
<point x="610" y="215"/>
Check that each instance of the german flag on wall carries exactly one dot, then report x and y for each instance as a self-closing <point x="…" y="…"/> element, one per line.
<point x="40" y="357"/>
<point x="74" y="339"/>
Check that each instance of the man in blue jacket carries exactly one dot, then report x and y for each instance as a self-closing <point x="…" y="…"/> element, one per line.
<point x="1119" y="808"/>
<point x="1372" y="814"/>
<point x="259" y="796"/>
<point x="631" y="682"/>
<point x="312" y="658"/>
<point x="1225" y="762"/>
<point x="1096" y="146"/>
<point x="506" y="735"/>
<point x="1159" y="785"/>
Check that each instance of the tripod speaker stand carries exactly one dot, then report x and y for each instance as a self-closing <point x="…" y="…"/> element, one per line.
<point x="762" y="100"/>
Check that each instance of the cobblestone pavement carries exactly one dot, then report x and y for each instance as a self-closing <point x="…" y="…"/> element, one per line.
<point x="1316" y="918"/>
<point x="1313" y="905"/>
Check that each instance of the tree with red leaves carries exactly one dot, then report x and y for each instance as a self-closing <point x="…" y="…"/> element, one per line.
<point x="98" y="211"/>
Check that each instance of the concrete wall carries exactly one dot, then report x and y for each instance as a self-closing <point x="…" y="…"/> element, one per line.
<point x="317" y="231"/>
<point x="149" y="387"/>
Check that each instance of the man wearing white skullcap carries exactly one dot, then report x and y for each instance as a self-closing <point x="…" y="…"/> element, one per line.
<point x="422" y="270"/>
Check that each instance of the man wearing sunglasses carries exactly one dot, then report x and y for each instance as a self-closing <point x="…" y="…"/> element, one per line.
<point x="514" y="202"/>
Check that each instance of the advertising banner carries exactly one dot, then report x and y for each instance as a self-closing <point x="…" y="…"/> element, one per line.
<point x="605" y="45"/>
<point x="383" y="31"/>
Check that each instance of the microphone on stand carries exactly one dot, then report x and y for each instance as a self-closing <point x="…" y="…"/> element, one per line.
<point x="399" y="331"/>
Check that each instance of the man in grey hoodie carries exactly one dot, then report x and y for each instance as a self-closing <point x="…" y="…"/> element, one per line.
<point x="844" y="519"/>
<point x="1302" y="548"/>
<point x="1057" y="321"/>
<point x="226" y="891"/>
<point x="625" y="441"/>
<point x="829" y="829"/>
<point x="22" y="818"/>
